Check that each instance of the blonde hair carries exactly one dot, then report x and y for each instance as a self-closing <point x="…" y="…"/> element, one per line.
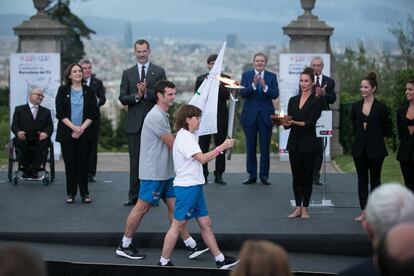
<point x="262" y="258"/>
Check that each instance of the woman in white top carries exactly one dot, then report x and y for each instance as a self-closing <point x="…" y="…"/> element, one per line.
<point x="188" y="161"/>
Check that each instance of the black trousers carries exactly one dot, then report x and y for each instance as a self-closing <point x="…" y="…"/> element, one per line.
<point x="368" y="171"/>
<point x="407" y="169"/>
<point x="32" y="153"/>
<point x="204" y="142"/>
<point x="76" y="155"/>
<point x="93" y="156"/>
<point x="302" y="164"/>
<point x="134" y="143"/>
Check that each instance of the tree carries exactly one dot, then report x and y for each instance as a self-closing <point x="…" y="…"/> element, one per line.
<point x="120" y="138"/>
<point x="106" y="137"/>
<point x="72" y="45"/>
<point x="405" y="40"/>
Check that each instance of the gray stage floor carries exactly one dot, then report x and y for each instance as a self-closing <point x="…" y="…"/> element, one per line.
<point x="236" y="209"/>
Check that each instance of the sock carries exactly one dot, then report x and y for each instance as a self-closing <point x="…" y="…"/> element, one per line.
<point x="190" y="242"/>
<point x="164" y="261"/>
<point x="126" y="241"/>
<point x="219" y="258"/>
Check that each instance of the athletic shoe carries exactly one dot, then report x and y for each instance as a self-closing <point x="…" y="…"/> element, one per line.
<point x="129" y="252"/>
<point x="227" y="263"/>
<point x="199" y="249"/>
<point x="168" y="264"/>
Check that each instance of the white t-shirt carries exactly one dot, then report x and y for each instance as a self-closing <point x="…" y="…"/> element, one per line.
<point x="188" y="171"/>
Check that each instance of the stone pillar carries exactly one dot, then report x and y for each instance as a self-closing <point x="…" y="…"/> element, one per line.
<point x="308" y="34"/>
<point x="40" y="34"/>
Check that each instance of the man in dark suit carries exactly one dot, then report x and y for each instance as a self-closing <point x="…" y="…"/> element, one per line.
<point x="98" y="90"/>
<point x="137" y="93"/>
<point x="325" y="89"/>
<point x="260" y="89"/>
<point x="32" y="125"/>
<point x="222" y="121"/>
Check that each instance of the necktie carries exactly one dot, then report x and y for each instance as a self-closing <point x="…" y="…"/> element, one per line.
<point x="317" y="84"/>
<point x="259" y="86"/>
<point x="34" y="112"/>
<point x="142" y="73"/>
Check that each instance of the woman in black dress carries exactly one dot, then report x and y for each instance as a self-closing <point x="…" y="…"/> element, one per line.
<point x="303" y="145"/>
<point x="405" y="123"/>
<point x="371" y="123"/>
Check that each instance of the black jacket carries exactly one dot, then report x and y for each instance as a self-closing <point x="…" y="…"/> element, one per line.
<point x="63" y="110"/>
<point x="370" y="140"/>
<point x="406" y="150"/>
<point x="304" y="139"/>
<point x="23" y="121"/>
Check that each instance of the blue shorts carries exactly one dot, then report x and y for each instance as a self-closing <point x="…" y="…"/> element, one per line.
<point x="152" y="190"/>
<point x="189" y="202"/>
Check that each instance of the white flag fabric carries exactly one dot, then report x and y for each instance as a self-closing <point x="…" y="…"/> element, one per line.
<point x="206" y="97"/>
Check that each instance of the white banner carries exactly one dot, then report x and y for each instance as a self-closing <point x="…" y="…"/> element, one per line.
<point x="290" y="67"/>
<point x="35" y="69"/>
<point x="324" y="124"/>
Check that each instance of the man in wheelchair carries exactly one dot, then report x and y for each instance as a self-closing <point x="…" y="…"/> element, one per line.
<point x="32" y="125"/>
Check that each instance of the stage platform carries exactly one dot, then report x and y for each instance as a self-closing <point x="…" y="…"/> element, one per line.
<point x="329" y="241"/>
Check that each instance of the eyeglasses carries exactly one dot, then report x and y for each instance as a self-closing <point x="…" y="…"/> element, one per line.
<point x="38" y="94"/>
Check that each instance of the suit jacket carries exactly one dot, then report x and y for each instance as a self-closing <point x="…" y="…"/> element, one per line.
<point x="304" y="139"/>
<point x="406" y="149"/>
<point x="98" y="91"/>
<point x="63" y="110"/>
<point x="372" y="138"/>
<point x="23" y="121"/>
<point x="330" y="95"/>
<point x="138" y="109"/>
<point x="223" y="96"/>
<point x="255" y="104"/>
<point x="364" y="268"/>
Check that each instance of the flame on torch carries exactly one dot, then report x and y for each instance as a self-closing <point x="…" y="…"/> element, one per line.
<point x="228" y="81"/>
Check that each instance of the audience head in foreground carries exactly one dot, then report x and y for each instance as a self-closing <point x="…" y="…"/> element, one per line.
<point x="388" y="205"/>
<point x="262" y="258"/>
<point x="20" y="261"/>
<point x="396" y="251"/>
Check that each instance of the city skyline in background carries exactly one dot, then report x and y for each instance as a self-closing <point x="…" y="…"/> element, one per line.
<point x="212" y="19"/>
<point x="183" y="33"/>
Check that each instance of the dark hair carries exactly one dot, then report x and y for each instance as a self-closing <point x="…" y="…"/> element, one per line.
<point x="211" y="58"/>
<point x="68" y="72"/>
<point x="371" y="78"/>
<point x="390" y="265"/>
<point x="21" y="260"/>
<point x="186" y="111"/>
<point x="260" y="54"/>
<point x="161" y="85"/>
<point x="410" y="81"/>
<point x="140" y="42"/>
<point x="309" y="71"/>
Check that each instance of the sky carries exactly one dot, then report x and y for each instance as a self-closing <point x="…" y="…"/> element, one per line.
<point x="363" y="17"/>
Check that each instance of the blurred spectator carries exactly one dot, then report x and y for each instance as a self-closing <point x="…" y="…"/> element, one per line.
<point x="396" y="251"/>
<point x="388" y="205"/>
<point x="20" y="261"/>
<point x="262" y="258"/>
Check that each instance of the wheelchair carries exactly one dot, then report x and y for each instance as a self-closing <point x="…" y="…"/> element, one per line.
<point x="47" y="157"/>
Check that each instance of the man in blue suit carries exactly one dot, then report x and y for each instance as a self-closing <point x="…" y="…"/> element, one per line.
<point x="260" y="89"/>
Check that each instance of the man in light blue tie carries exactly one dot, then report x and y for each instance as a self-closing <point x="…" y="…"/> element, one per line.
<point x="260" y="89"/>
